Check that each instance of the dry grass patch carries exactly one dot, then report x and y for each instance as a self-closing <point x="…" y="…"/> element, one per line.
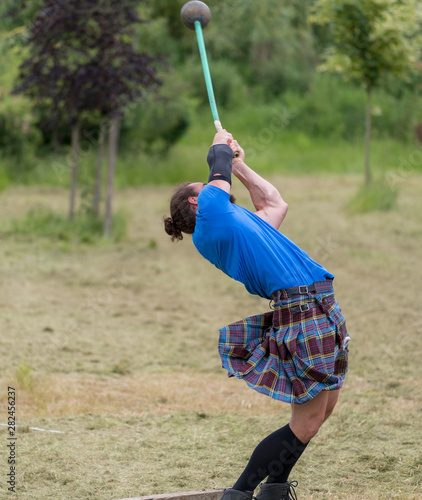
<point x="116" y="347"/>
<point x="56" y="396"/>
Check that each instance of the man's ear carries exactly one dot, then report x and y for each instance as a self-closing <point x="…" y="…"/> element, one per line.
<point x="193" y="200"/>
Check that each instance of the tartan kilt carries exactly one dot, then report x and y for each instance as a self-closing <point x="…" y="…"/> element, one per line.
<point x="287" y="355"/>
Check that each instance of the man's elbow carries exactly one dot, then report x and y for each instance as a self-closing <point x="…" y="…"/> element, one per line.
<point x="281" y="206"/>
<point x="280" y="203"/>
<point x="275" y="214"/>
<point x="284" y="207"/>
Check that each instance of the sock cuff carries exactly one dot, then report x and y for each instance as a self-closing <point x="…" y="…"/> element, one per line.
<point x="293" y="435"/>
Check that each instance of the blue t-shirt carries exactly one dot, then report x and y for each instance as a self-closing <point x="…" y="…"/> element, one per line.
<point x="248" y="249"/>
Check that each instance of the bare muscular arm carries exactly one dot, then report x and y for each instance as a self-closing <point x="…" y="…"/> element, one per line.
<point x="267" y="200"/>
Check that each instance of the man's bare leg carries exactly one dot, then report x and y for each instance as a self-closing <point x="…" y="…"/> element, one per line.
<point x="308" y="417"/>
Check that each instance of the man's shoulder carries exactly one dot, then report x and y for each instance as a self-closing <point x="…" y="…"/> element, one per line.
<point x="213" y="200"/>
<point x="209" y="191"/>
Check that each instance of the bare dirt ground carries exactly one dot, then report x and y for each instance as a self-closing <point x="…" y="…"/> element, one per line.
<point x="115" y="346"/>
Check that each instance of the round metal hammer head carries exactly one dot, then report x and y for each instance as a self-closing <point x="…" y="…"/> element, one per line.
<point x="195" y="11"/>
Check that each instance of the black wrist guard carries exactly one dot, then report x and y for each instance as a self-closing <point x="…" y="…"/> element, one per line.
<point x="220" y="158"/>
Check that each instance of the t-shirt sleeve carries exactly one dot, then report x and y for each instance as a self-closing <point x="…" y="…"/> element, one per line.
<point x="214" y="201"/>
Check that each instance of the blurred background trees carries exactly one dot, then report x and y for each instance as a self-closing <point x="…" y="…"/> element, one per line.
<point x="81" y="68"/>
<point x="370" y="43"/>
<point x="264" y="56"/>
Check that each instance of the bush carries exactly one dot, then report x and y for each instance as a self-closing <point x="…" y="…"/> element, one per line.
<point x="83" y="229"/>
<point x="373" y="196"/>
<point x="398" y="116"/>
<point x="4" y="180"/>
<point x="334" y="108"/>
<point x="19" y="138"/>
<point x="156" y="123"/>
<point x="229" y="88"/>
<point x="331" y="109"/>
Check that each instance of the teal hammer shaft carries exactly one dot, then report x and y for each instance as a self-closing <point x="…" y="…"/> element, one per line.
<point x="207" y="75"/>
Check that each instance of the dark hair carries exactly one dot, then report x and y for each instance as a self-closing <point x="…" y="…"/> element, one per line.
<point x="183" y="214"/>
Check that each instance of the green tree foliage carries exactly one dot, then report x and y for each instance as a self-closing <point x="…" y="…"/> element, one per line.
<point x="270" y="42"/>
<point x="81" y="62"/>
<point x="16" y="13"/>
<point x="370" y="41"/>
<point x="19" y="134"/>
<point x="259" y="44"/>
<point x="263" y="56"/>
<point x="81" y="59"/>
<point x="19" y="137"/>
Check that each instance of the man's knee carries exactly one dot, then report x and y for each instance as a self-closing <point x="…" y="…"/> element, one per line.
<point x="307" y="419"/>
<point x="313" y="428"/>
<point x="308" y="428"/>
<point x="328" y="412"/>
<point x="331" y="405"/>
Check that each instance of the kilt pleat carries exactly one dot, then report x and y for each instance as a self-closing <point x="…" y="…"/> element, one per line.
<point x="287" y="355"/>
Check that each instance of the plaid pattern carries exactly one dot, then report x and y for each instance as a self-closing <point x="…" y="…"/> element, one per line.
<point x="289" y="356"/>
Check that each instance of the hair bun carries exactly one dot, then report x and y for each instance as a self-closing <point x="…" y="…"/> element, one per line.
<point x="169" y="225"/>
<point x="171" y="229"/>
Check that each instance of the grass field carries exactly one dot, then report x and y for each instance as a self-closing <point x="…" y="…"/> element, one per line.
<point x="115" y="346"/>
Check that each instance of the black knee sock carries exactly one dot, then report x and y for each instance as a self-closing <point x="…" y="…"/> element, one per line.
<point x="275" y="457"/>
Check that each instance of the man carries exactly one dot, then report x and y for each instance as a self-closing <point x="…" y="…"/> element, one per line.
<point x="296" y="353"/>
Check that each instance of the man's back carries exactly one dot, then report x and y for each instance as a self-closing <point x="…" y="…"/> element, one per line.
<point x="248" y="249"/>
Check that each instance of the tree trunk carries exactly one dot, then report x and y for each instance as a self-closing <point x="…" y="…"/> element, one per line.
<point x="74" y="153"/>
<point x="112" y="156"/>
<point x="98" y="176"/>
<point x="368" y="125"/>
<point x="56" y="141"/>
